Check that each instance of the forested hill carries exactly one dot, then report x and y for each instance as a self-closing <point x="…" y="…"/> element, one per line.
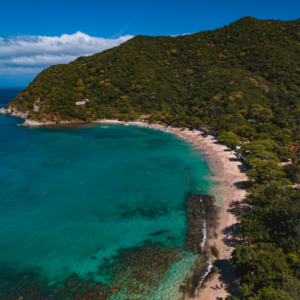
<point x="247" y="70"/>
<point x="241" y="81"/>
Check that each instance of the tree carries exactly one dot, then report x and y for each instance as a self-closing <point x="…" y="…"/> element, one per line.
<point x="253" y="159"/>
<point x="240" y="260"/>
<point x="259" y="146"/>
<point x="228" y="137"/>
<point x="269" y="293"/>
<point x="182" y="123"/>
<point x="289" y="284"/>
<point x="266" y="171"/>
<point x="233" y="145"/>
<point x="285" y="153"/>
<point x="282" y="139"/>
<point x="245" y="131"/>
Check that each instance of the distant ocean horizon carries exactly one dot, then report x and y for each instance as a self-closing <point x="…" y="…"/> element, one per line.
<point x="8" y="93"/>
<point x="89" y="207"/>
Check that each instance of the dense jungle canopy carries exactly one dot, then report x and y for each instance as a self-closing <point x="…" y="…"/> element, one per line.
<point x="247" y="70"/>
<point x="241" y="82"/>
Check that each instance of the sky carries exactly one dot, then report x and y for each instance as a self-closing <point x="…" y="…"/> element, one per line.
<point x="36" y="34"/>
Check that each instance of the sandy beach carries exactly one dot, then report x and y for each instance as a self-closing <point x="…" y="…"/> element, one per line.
<point x="226" y="169"/>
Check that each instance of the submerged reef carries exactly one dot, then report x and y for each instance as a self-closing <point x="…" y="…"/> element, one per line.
<point x="203" y="221"/>
<point x="133" y="273"/>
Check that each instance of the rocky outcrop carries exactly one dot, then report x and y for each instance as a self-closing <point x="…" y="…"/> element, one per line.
<point x="203" y="222"/>
<point x="36" y="105"/>
<point x="14" y="112"/>
<point x="19" y="114"/>
<point x="36" y="123"/>
<point x="23" y="115"/>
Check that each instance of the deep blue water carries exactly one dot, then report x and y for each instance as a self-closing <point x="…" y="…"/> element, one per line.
<point x="75" y="197"/>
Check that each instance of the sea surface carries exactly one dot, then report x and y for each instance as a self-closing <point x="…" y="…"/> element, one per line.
<point x="91" y="208"/>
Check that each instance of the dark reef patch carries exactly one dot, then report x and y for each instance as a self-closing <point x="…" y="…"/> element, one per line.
<point x="158" y="233"/>
<point x="143" y="211"/>
<point x="132" y="273"/>
<point x="201" y="208"/>
<point x="203" y="212"/>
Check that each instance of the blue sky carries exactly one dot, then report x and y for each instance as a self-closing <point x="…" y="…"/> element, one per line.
<point x="35" y="34"/>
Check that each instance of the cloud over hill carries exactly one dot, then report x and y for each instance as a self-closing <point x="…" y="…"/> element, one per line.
<point x="31" y="54"/>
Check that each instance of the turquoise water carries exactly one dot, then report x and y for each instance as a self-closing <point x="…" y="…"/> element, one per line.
<point x="75" y="198"/>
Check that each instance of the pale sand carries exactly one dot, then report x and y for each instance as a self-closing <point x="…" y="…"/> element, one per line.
<point x="232" y="174"/>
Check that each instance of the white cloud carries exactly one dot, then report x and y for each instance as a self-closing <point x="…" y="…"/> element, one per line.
<point x="20" y="70"/>
<point x="31" y="54"/>
<point x="180" y="34"/>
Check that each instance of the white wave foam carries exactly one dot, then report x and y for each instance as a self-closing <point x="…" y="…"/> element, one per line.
<point x="205" y="274"/>
<point x="204" y="234"/>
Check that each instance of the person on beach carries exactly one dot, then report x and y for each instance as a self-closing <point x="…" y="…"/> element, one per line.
<point x="221" y="285"/>
<point x="227" y="235"/>
<point x="217" y="285"/>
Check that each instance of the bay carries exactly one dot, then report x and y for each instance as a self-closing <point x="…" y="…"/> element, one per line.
<point x="75" y="199"/>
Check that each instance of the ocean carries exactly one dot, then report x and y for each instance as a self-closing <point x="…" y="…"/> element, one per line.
<point x="85" y="209"/>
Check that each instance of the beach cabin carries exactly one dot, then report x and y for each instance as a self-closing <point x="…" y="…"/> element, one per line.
<point x="143" y="117"/>
<point x="82" y="102"/>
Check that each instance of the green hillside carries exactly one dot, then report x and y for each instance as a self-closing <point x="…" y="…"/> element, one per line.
<point x="241" y="81"/>
<point x="198" y="78"/>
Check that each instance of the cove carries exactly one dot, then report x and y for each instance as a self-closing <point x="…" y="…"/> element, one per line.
<point x="85" y="206"/>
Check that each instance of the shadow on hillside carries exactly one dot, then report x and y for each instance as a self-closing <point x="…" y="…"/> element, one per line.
<point x="243" y="185"/>
<point x="233" y="240"/>
<point x="243" y="168"/>
<point x="238" y="208"/>
<point x="227" y="276"/>
<point x="234" y="159"/>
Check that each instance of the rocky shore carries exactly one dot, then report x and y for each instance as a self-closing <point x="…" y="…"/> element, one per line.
<point x="203" y="221"/>
<point x="14" y="113"/>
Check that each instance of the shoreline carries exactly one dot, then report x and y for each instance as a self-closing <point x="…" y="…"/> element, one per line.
<point x="220" y="164"/>
<point x="221" y="161"/>
<point x="218" y="158"/>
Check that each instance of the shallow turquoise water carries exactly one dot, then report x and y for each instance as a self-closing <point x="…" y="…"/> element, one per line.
<point x="72" y="197"/>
